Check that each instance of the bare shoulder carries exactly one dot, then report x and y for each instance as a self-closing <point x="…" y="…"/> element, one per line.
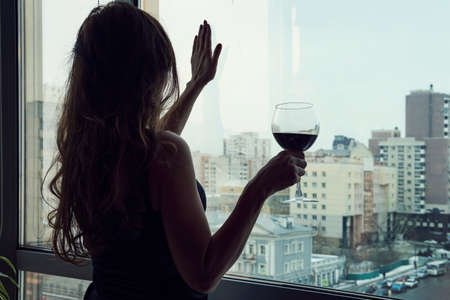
<point x="174" y="148"/>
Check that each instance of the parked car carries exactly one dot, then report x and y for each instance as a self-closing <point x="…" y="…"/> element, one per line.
<point x="422" y="273"/>
<point x="371" y="289"/>
<point x="402" y="278"/>
<point x="411" y="282"/>
<point x="387" y="283"/>
<point x="398" y="287"/>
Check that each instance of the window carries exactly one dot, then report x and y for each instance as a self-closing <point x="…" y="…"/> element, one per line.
<point x="286" y="268"/>
<point x="324" y="185"/>
<point x="286" y="249"/>
<point x="314" y="206"/>
<point x="305" y="217"/>
<point x="314" y="184"/>
<point x="299" y="246"/>
<point x="250" y="249"/>
<point x="324" y="218"/>
<point x="305" y="205"/>
<point x="262" y="250"/>
<point x="299" y="205"/>
<point x="314" y="174"/>
<point x="262" y="269"/>
<point x="314" y="217"/>
<point x="39" y="107"/>
<point x="314" y="195"/>
<point x="305" y="184"/>
<point x="56" y="287"/>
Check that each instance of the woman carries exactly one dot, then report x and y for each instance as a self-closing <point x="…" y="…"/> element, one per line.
<point x="124" y="179"/>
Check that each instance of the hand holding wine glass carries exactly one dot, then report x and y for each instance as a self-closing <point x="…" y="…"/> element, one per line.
<point x="295" y="128"/>
<point x="282" y="171"/>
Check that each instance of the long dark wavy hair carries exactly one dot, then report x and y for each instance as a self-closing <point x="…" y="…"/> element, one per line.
<point x="123" y="75"/>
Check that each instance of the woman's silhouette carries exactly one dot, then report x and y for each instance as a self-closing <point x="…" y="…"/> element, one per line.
<point x="125" y="184"/>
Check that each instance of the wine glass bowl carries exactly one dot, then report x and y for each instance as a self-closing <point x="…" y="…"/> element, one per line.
<point x="295" y="127"/>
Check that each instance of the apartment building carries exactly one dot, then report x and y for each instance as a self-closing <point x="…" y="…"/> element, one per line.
<point x="355" y="197"/>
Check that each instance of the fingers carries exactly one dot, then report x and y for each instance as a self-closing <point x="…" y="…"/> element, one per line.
<point x="217" y="54"/>
<point x="195" y="46"/>
<point x="298" y="154"/>
<point x="208" y="39"/>
<point x="205" y="34"/>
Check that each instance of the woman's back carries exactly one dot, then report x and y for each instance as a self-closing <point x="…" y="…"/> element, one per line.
<point x="141" y="268"/>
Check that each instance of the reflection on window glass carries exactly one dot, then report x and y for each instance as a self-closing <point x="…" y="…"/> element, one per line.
<point x="48" y="42"/>
<point x="38" y="286"/>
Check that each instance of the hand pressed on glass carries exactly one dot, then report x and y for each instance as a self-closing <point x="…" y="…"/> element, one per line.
<point x="203" y="61"/>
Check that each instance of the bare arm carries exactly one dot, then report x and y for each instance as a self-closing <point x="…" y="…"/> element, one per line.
<point x="200" y="257"/>
<point x="203" y="67"/>
<point x="175" y="119"/>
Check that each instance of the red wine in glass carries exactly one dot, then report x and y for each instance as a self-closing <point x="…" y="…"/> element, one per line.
<point x="295" y="141"/>
<point x="295" y="127"/>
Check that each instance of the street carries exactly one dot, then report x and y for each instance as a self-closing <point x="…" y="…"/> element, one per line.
<point x="428" y="288"/>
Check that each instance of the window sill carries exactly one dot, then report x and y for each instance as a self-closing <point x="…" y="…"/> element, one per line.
<point x="231" y="287"/>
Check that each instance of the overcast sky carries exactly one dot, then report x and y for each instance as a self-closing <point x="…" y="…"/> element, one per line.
<point x="356" y="60"/>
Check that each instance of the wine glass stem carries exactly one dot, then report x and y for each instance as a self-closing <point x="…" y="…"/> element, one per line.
<point x="298" y="191"/>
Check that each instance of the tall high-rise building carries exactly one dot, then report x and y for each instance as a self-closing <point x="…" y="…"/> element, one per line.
<point x="407" y="156"/>
<point x="437" y="174"/>
<point x="211" y="171"/>
<point x="427" y="114"/>
<point x="427" y="120"/>
<point x="381" y="135"/>
<point x="284" y="50"/>
<point x="247" y="153"/>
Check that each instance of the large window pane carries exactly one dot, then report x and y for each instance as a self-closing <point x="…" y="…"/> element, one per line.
<point x="48" y="34"/>
<point x="378" y="170"/>
<point x="37" y="286"/>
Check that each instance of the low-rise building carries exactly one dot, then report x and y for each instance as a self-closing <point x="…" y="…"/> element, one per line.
<point x="277" y="249"/>
<point x="327" y="270"/>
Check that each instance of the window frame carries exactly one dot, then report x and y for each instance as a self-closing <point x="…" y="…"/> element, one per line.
<point x="44" y="261"/>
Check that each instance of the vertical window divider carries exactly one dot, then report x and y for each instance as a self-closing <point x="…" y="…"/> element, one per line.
<point x="9" y="137"/>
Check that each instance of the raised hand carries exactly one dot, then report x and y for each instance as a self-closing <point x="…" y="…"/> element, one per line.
<point x="203" y="61"/>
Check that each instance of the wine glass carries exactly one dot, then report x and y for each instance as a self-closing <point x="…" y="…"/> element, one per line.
<point x="295" y="127"/>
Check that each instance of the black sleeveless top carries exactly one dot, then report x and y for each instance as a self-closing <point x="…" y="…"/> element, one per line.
<point x="142" y="268"/>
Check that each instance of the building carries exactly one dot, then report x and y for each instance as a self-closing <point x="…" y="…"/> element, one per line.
<point x="427" y="114"/>
<point x="407" y="156"/>
<point x="327" y="270"/>
<point x="246" y="154"/>
<point x="211" y="171"/>
<point x="381" y="135"/>
<point x="356" y="198"/>
<point x="427" y="120"/>
<point x="276" y="249"/>
<point x="283" y="51"/>
<point x="342" y="142"/>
